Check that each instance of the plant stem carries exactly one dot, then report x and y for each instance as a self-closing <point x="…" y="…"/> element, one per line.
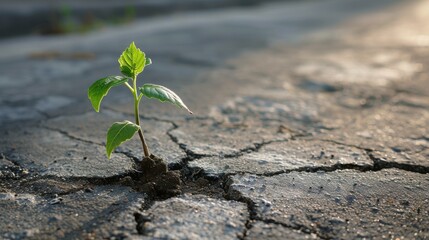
<point x="136" y="113"/>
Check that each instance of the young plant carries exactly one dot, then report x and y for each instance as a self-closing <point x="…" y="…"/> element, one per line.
<point x="131" y="62"/>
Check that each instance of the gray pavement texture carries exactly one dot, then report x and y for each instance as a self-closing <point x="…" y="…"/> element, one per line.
<point x="310" y="122"/>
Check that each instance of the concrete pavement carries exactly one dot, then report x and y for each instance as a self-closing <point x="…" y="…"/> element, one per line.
<point x="311" y="122"/>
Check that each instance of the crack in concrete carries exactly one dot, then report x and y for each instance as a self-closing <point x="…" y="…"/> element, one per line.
<point x="332" y="168"/>
<point x="232" y="194"/>
<point x="346" y="144"/>
<point x="423" y="138"/>
<point x="339" y="166"/>
<point x="140" y="219"/>
<point x="96" y="221"/>
<point x="381" y="163"/>
<point x="67" y="134"/>
<point x="255" y="148"/>
<point x="258" y="146"/>
<point x="190" y="155"/>
<point x="253" y="216"/>
<point x="247" y="227"/>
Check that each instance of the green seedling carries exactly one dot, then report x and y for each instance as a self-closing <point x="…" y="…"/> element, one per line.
<point x="131" y="62"/>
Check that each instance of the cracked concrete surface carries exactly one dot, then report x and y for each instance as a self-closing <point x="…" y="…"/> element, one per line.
<point x="311" y="123"/>
<point x="76" y="215"/>
<point x="296" y="155"/>
<point x="197" y="137"/>
<point x="92" y="127"/>
<point x="193" y="217"/>
<point x="344" y="204"/>
<point x="52" y="153"/>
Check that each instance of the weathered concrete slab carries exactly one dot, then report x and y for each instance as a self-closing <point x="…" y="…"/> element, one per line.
<point x="194" y="217"/>
<point x="387" y="127"/>
<point x="267" y="108"/>
<point x="272" y="231"/>
<point x="93" y="127"/>
<point x="343" y="204"/>
<point x="345" y="67"/>
<point x="286" y="156"/>
<point x="75" y="216"/>
<point x="211" y="138"/>
<point x="52" y="153"/>
<point x="387" y="130"/>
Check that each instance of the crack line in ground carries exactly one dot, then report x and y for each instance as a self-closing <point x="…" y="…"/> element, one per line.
<point x="251" y="149"/>
<point x="378" y="166"/>
<point x="247" y="227"/>
<point x="346" y="144"/>
<point x="253" y="213"/>
<point x="67" y="134"/>
<point x="332" y="168"/>
<point x="190" y="155"/>
<point x="381" y="163"/>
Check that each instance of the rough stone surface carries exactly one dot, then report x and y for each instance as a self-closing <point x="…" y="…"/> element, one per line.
<point x="344" y="204"/>
<point x="287" y="156"/>
<point x="52" y="153"/>
<point x="75" y="216"/>
<point x="194" y="217"/>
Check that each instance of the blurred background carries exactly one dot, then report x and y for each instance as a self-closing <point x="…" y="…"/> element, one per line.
<point x="49" y="17"/>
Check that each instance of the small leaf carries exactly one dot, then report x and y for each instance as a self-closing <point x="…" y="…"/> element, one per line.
<point x="119" y="133"/>
<point x="148" y="62"/>
<point x="101" y="87"/>
<point x="163" y="94"/>
<point x="132" y="61"/>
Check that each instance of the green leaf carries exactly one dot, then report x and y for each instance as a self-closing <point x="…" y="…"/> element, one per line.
<point x="101" y="87"/>
<point x="163" y="94"/>
<point x="148" y="62"/>
<point x="119" y="133"/>
<point x="132" y="61"/>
